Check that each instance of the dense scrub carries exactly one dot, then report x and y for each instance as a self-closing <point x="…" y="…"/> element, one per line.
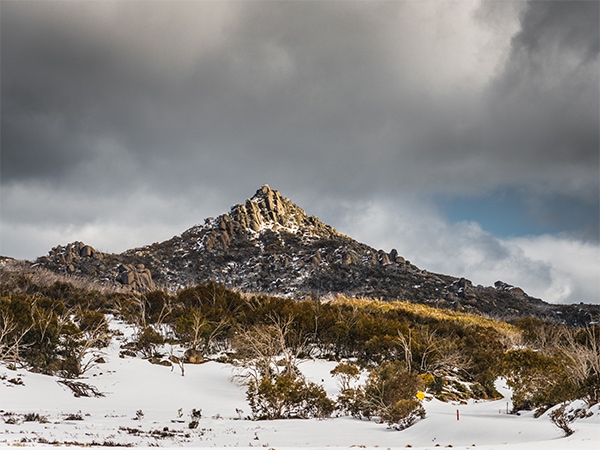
<point x="57" y="329"/>
<point x="50" y="336"/>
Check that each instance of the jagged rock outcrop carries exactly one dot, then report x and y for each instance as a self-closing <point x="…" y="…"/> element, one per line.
<point x="80" y="259"/>
<point x="268" y="210"/>
<point x="73" y="256"/>
<point x="87" y="251"/>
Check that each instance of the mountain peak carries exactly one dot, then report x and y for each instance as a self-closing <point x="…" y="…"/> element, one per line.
<point x="267" y="209"/>
<point x="264" y="190"/>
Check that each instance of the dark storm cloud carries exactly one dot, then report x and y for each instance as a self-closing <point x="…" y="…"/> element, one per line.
<point x="545" y="103"/>
<point x="305" y="83"/>
<point x="338" y="91"/>
<point x="544" y="112"/>
<point x="58" y="91"/>
<point x="570" y="25"/>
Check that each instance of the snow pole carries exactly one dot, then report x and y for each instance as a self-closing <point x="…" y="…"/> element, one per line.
<point x="457" y="415"/>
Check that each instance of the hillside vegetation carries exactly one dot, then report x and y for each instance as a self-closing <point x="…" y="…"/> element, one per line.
<point x="57" y="328"/>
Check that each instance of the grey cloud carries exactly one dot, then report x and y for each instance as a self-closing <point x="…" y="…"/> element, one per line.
<point x="545" y="103"/>
<point x="296" y="79"/>
<point x="569" y="25"/>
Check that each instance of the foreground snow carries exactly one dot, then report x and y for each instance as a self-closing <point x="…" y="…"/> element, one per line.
<point x="149" y="405"/>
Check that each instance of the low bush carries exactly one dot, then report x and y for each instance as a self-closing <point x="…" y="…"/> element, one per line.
<point x="389" y="394"/>
<point x="287" y="396"/>
<point x="560" y="418"/>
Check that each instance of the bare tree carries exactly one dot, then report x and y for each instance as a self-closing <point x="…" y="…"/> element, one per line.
<point x="406" y="344"/>
<point x="583" y="358"/>
<point x="177" y="360"/>
<point x="11" y="337"/>
<point x="218" y="328"/>
<point x="263" y="349"/>
<point x="87" y="352"/>
<point x="198" y="324"/>
<point x="439" y="357"/>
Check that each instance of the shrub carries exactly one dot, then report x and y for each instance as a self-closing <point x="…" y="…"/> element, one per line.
<point x="346" y="373"/>
<point x="403" y="413"/>
<point x="10" y="419"/>
<point x="147" y="341"/>
<point x="390" y="393"/>
<point x="537" y="380"/>
<point x="287" y="396"/>
<point x="35" y="417"/>
<point x="75" y="416"/>
<point x="352" y="401"/>
<point x="560" y="418"/>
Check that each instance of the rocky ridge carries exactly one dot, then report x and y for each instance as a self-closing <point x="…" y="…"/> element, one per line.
<point x="270" y="245"/>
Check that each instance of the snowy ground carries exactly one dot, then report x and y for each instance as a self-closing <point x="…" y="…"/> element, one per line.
<point x="148" y="405"/>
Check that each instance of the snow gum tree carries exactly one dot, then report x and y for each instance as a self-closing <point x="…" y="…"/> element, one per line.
<point x="581" y="350"/>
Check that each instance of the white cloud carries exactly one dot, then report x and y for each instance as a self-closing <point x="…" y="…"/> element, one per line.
<point x="37" y="218"/>
<point x="574" y="267"/>
<point x="556" y="269"/>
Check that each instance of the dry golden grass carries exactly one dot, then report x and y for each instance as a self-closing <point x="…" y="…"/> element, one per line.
<point x="511" y="333"/>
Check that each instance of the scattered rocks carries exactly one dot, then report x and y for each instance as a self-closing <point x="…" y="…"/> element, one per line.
<point x="350" y="258"/>
<point x="384" y="258"/>
<point x="316" y="260"/>
<point x="517" y="291"/>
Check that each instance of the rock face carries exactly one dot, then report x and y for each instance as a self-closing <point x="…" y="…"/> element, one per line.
<point x="80" y="259"/>
<point x="137" y="278"/>
<point x="267" y="244"/>
<point x="268" y="210"/>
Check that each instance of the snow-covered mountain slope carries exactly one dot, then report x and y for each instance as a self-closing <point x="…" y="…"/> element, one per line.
<point x="270" y="245"/>
<point x="151" y="405"/>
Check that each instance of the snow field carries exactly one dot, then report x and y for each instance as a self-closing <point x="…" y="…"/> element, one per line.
<point x="149" y="405"/>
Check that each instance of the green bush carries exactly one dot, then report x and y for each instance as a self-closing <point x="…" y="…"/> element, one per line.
<point x="147" y="341"/>
<point x="390" y="393"/>
<point x="287" y="396"/>
<point x="538" y="380"/>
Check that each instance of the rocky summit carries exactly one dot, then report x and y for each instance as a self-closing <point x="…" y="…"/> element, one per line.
<point x="270" y="245"/>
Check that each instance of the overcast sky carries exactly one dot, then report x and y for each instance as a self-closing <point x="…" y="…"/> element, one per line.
<point x="465" y="134"/>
